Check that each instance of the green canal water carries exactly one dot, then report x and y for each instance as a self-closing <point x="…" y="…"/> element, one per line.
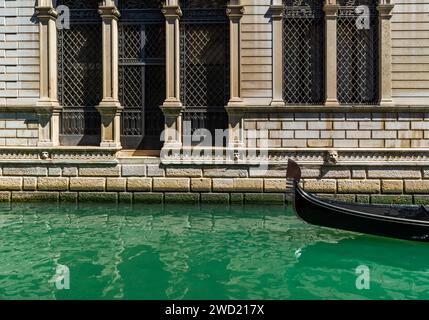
<point x="179" y="252"/>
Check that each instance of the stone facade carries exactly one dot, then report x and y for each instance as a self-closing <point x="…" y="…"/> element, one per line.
<point x="370" y="154"/>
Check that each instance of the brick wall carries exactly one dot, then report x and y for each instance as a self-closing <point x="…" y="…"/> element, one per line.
<point x="339" y="130"/>
<point x="18" y="129"/>
<point x="19" y="53"/>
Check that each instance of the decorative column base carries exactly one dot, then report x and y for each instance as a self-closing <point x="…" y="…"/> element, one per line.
<point x="110" y="112"/>
<point x="235" y="127"/>
<point x="173" y="124"/>
<point x="48" y="112"/>
<point x="332" y="103"/>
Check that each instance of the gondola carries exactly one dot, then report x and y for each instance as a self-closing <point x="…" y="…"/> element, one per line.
<point x="393" y="221"/>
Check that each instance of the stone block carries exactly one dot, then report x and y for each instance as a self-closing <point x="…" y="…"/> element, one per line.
<point x="201" y="184"/>
<point x="52" y="184"/>
<point x="188" y="198"/>
<point x="215" y="198"/>
<point x="10" y="183"/>
<point x="359" y="186"/>
<point x="139" y="184"/>
<point x="275" y="185"/>
<point x="417" y="186"/>
<point x="392" y="186"/>
<point x="99" y="171"/>
<point x="134" y="171"/>
<point x="248" y="185"/>
<point x="171" y="184"/>
<point x="265" y="198"/>
<point x="184" y="172"/>
<point x="320" y="186"/>
<point x="87" y="184"/>
<point x="101" y="197"/>
<point x="223" y="185"/>
<point x="149" y="198"/>
<point x="116" y="184"/>
<point x="35" y="196"/>
<point x="391" y="199"/>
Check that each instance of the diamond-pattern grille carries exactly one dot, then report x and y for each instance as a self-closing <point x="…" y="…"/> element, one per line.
<point x="204" y="64"/>
<point x="303" y="54"/>
<point x="141" y="68"/>
<point x="357" y="55"/>
<point x="80" y="71"/>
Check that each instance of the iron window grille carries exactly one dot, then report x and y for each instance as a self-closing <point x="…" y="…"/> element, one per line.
<point x="141" y="71"/>
<point x="204" y="62"/>
<point x="303" y="52"/>
<point x="80" y="72"/>
<point x="357" y="57"/>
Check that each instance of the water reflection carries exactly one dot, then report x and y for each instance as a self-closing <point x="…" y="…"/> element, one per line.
<point x="177" y="252"/>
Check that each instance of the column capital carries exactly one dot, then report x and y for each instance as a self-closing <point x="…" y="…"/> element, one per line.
<point x="172" y="11"/>
<point x="172" y="109"/>
<point x="277" y="11"/>
<point x="331" y="11"/>
<point x="46" y="13"/>
<point x="109" y="12"/>
<point x="235" y="11"/>
<point x="385" y="10"/>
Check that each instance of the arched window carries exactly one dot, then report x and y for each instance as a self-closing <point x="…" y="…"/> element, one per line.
<point x="80" y="73"/>
<point x="303" y="52"/>
<point x="357" y="46"/>
<point x="204" y="59"/>
<point x="141" y="73"/>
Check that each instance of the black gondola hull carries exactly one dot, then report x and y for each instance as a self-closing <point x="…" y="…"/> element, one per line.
<point x="332" y="215"/>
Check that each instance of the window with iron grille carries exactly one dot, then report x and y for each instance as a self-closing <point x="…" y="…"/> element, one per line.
<point x="303" y="52"/>
<point x="141" y="72"/>
<point x="357" y="57"/>
<point x="204" y="54"/>
<point x="80" y="73"/>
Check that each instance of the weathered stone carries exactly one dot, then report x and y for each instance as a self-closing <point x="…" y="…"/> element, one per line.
<point x="310" y="173"/>
<point x="392" y="172"/>
<point x="99" y="171"/>
<point x="237" y="198"/>
<point x="98" y="197"/>
<point x="52" y="184"/>
<point x="155" y="171"/>
<point x="275" y="185"/>
<point x="182" y="198"/>
<point x="139" y="184"/>
<point x="5" y="196"/>
<point x="184" y="172"/>
<point x="133" y="170"/>
<point x="391" y="199"/>
<point x="416" y="186"/>
<point x="201" y="184"/>
<point x="320" y="186"/>
<point x="171" y="184"/>
<point x="264" y="198"/>
<point x="87" y="184"/>
<point x="116" y="184"/>
<point x="392" y="186"/>
<point x="223" y="185"/>
<point x="363" y="199"/>
<point x="215" y="198"/>
<point x="25" y="171"/>
<point x="70" y="171"/>
<point x="70" y="197"/>
<point x="421" y="200"/>
<point x="30" y="184"/>
<point x="10" y="184"/>
<point x="358" y="186"/>
<point x="125" y="197"/>
<point x="267" y="173"/>
<point x="35" y="196"/>
<point x="358" y="173"/>
<point x="335" y="173"/>
<point x="149" y="198"/>
<point x="54" y="171"/>
<point x="248" y="185"/>
<point x="225" y="173"/>
<point x="338" y="197"/>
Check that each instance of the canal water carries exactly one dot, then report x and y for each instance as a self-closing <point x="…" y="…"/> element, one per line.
<point x="197" y="252"/>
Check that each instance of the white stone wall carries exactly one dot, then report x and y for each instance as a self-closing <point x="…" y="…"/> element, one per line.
<point x="19" y="53"/>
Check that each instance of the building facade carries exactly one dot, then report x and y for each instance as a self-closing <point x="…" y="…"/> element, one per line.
<point x="188" y="100"/>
